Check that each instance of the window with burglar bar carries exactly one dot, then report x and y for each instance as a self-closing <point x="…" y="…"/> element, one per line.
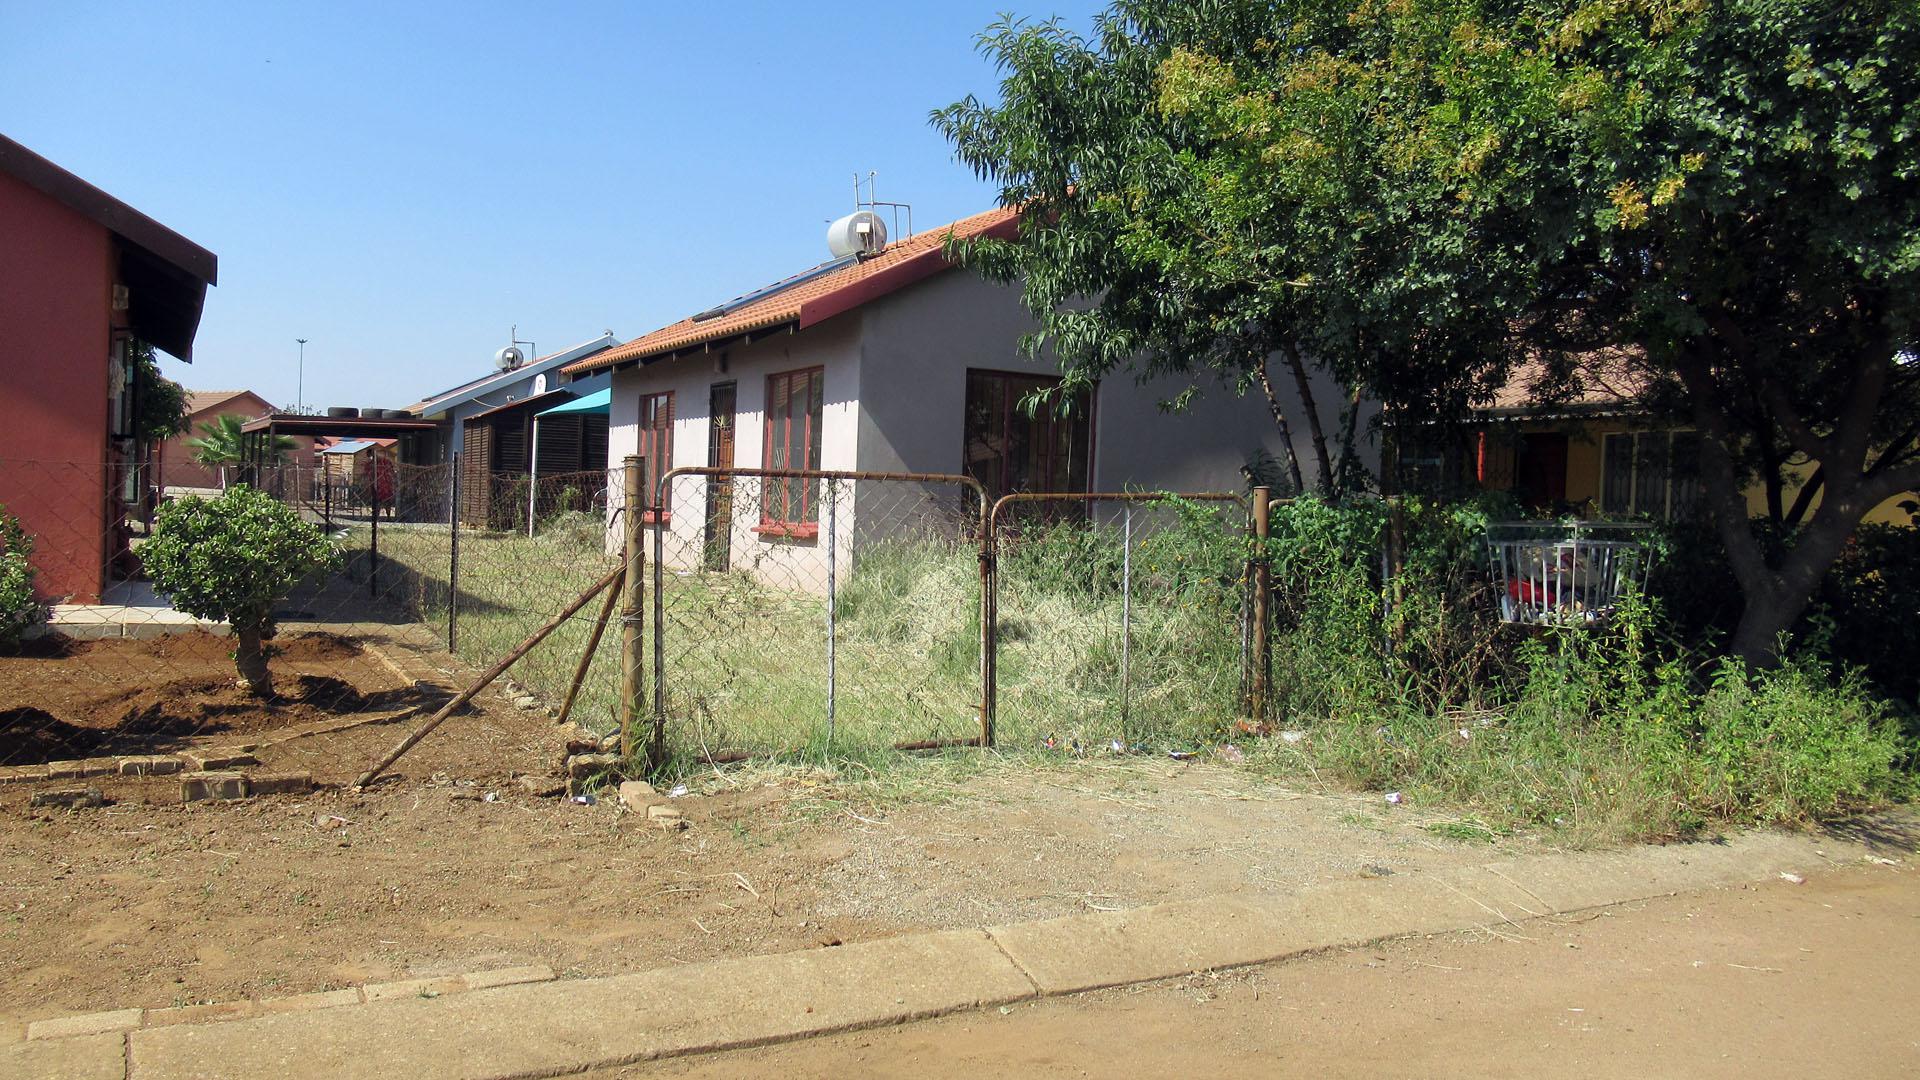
<point x="790" y="507"/>
<point x="1653" y="473"/>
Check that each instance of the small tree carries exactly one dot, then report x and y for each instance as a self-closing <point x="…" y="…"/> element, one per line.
<point x="232" y="558"/>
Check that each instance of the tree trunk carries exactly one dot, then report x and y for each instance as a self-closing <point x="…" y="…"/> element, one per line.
<point x="1312" y="409"/>
<point x="1280" y="421"/>
<point x="250" y="657"/>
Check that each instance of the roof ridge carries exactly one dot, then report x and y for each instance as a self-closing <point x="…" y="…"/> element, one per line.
<point x="809" y="296"/>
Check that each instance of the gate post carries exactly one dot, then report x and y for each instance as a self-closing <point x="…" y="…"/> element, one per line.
<point x="633" y="603"/>
<point x="1262" y="586"/>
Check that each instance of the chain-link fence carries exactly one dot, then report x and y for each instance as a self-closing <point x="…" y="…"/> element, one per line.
<point x="784" y="612"/>
<point x="798" y="611"/>
<point x="114" y="669"/>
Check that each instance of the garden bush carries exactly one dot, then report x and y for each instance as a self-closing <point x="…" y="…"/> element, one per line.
<point x="1619" y="731"/>
<point x="232" y="558"/>
<point x="20" y="610"/>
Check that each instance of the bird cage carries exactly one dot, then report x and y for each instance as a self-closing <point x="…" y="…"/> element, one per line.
<point x="1566" y="573"/>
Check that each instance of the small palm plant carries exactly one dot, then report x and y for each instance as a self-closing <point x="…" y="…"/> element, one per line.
<point x="221" y="444"/>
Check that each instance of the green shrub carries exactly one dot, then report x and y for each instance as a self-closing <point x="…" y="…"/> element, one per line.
<point x="232" y="558"/>
<point x="20" y="610"/>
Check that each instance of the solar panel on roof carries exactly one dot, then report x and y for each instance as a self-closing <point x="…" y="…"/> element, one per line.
<point x="782" y="285"/>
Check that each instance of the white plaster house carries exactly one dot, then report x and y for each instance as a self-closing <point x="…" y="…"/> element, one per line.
<point x="890" y="363"/>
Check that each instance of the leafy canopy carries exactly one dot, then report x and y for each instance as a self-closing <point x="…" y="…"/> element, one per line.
<point x="1418" y="194"/>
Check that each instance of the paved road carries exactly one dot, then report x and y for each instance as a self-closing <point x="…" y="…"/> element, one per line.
<point x="1814" y="980"/>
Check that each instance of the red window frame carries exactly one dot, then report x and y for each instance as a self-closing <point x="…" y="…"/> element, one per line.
<point x="655" y="425"/>
<point x="789" y="507"/>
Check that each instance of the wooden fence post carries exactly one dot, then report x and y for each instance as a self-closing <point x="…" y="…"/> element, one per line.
<point x="633" y="604"/>
<point x="1262" y="587"/>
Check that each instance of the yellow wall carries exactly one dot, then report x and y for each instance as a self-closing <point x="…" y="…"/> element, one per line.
<point x="1585" y="465"/>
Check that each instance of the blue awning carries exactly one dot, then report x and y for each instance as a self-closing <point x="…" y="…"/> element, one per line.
<point x="598" y="404"/>
<point x="353" y="447"/>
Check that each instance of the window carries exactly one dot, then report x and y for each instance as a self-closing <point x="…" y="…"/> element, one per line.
<point x="1651" y="473"/>
<point x="1008" y="450"/>
<point x="656" y="444"/>
<point x="791" y="506"/>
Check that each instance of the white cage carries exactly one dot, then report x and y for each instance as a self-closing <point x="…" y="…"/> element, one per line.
<point x="1566" y="572"/>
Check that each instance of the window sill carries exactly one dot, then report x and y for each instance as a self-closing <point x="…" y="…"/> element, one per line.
<point x="788" y="530"/>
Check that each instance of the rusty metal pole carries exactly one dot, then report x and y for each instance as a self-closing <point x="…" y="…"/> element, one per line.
<point x="1262" y="587"/>
<point x="633" y="600"/>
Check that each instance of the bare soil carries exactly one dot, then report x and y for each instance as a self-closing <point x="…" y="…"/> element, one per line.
<point x="62" y="699"/>
<point x="448" y="865"/>
<point x="1773" y="980"/>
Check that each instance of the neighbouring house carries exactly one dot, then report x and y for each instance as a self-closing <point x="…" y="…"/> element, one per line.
<point x="515" y="380"/>
<point x="525" y="459"/>
<point x="886" y="362"/>
<point x="174" y="462"/>
<point x="82" y="275"/>
<point x="1593" y="452"/>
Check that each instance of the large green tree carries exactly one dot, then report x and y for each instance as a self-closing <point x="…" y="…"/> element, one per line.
<point x="1415" y="194"/>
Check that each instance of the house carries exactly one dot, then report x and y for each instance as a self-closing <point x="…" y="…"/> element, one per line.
<point x="82" y="277"/>
<point x="1592" y="450"/>
<point x="174" y="464"/>
<point x="516" y="380"/>
<point x="538" y="436"/>
<point x="888" y="362"/>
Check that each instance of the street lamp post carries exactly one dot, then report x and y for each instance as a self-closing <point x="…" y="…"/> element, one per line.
<point x="300" y="384"/>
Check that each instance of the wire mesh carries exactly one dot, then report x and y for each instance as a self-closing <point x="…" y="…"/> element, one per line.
<point x="798" y="613"/>
<point x="417" y="601"/>
<point x="1120" y="618"/>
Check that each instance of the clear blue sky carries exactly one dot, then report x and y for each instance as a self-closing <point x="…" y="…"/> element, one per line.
<point x="401" y="182"/>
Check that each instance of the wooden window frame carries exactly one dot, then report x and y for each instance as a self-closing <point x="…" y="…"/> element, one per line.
<point x="779" y="525"/>
<point x="651" y="435"/>
<point x="1009" y="412"/>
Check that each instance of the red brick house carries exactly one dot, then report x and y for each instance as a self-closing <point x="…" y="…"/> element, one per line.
<point x="81" y="275"/>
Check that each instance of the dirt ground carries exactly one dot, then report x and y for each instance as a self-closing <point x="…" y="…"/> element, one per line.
<point x="1773" y="980"/>
<point x="65" y="699"/>
<point x="450" y="866"/>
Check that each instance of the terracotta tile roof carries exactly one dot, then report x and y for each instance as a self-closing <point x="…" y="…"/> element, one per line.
<point x="199" y="401"/>
<point x="815" y="299"/>
<point x="1601" y="380"/>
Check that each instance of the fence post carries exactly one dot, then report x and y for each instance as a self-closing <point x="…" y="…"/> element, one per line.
<point x="833" y="498"/>
<point x="1126" y="618"/>
<point x="1262" y="586"/>
<point x="453" y="556"/>
<point x="632" y="604"/>
<point x="326" y="494"/>
<point x="989" y="629"/>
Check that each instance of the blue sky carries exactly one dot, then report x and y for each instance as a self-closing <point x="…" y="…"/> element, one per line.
<point x="401" y="182"/>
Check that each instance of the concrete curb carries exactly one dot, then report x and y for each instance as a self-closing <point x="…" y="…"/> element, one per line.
<point x="552" y="1028"/>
